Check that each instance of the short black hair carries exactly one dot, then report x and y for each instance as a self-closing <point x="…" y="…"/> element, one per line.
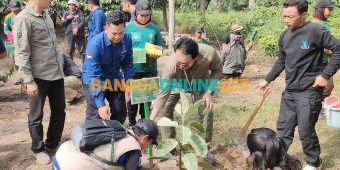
<point x="94" y="2"/>
<point x="226" y="38"/>
<point x="319" y="14"/>
<point x="115" y="17"/>
<point x="188" y="46"/>
<point x="301" y="5"/>
<point x="133" y="2"/>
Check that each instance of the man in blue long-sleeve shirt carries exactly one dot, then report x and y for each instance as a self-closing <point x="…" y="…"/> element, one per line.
<point x="98" y="19"/>
<point x="106" y="53"/>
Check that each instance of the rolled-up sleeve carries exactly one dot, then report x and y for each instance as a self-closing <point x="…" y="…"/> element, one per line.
<point x="22" y="31"/>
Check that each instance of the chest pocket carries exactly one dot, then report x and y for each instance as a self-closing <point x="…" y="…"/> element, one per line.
<point x="123" y="55"/>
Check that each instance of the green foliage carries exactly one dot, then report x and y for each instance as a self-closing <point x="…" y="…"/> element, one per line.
<point x="261" y="24"/>
<point x="188" y="143"/>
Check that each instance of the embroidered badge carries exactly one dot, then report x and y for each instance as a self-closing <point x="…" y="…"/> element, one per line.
<point x="305" y="43"/>
<point x="19" y="34"/>
<point x="89" y="55"/>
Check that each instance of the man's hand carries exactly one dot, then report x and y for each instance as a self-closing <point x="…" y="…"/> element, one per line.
<point x="208" y="100"/>
<point x="104" y="113"/>
<point x="320" y="82"/>
<point x="32" y="89"/>
<point x="154" y="114"/>
<point x="262" y="86"/>
<point x="75" y="31"/>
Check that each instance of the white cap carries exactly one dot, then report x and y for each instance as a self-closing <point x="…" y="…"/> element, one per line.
<point x="75" y="2"/>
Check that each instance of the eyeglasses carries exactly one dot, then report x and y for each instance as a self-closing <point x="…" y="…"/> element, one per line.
<point x="190" y="64"/>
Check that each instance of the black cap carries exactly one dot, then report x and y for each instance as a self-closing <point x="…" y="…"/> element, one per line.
<point x="150" y="128"/>
<point x="325" y="4"/>
<point x="199" y="29"/>
<point x="14" y="5"/>
<point x="143" y="7"/>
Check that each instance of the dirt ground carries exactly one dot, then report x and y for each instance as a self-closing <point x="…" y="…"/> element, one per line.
<point x="15" y="141"/>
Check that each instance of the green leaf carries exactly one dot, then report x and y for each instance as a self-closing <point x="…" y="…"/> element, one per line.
<point x="168" y="156"/>
<point x="193" y="109"/>
<point x="183" y="134"/>
<point x="165" y="147"/>
<point x="197" y="126"/>
<point x="164" y="121"/>
<point x="190" y="161"/>
<point x="185" y="103"/>
<point x="206" y="165"/>
<point x="199" y="145"/>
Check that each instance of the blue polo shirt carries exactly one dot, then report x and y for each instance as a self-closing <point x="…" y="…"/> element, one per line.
<point x="103" y="61"/>
<point x="96" y="23"/>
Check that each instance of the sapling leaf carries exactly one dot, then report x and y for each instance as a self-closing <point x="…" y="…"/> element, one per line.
<point x="197" y="126"/>
<point x="199" y="145"/>
<point x="190" y="161"/>
<point x="183" y="134"/>
<point x="164" y="121"/>
<point x="164" y="147"/>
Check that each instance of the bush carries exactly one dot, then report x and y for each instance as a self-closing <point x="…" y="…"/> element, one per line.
<point x="256" y="25"/>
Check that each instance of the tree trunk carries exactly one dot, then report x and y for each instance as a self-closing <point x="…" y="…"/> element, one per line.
<point x="251" y="3"/>
<point x="203" y="5"/>
<point x="165" y="18"/>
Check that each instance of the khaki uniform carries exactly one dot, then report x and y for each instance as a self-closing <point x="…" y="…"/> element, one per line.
<point x="69" y="158"/>
<point x="207" y="66"/>
<point x="36" y="46"/>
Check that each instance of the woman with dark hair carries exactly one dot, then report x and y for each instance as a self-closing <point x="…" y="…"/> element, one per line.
<point x="323" y="11"/>
<point x="268" y="151"/>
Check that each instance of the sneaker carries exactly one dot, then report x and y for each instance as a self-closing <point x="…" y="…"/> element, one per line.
<point x="42" y="158"/>
<point x="308" y="167"/>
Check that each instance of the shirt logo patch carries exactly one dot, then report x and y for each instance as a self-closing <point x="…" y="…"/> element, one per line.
<point x="19" y="33"/>
<point x="89" y="55"/>
<point x="305" y="43"/>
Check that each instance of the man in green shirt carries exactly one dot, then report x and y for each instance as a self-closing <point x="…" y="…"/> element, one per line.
<point x="15" y="7"/>
<point x="142" y="31"/>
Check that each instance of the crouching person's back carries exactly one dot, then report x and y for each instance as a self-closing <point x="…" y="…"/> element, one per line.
<point x="125" y="155"/>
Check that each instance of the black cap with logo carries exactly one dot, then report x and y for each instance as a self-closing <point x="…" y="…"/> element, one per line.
<point x="149" y="127"/>
<point x="143" y="7"/>
<point x="14" y="5"/>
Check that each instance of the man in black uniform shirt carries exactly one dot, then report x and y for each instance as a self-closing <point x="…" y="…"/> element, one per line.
<point x="301" y="48"/>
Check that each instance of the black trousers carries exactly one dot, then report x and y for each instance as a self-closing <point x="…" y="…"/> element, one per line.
<point x="54" y="90"/>
<point x="133" y="108"/>
<point x="71" y="40"/>
<point x="301" y="109"/>
<point x="116" y="101"/>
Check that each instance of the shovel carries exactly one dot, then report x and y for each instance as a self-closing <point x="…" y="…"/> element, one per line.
<point x="252" y="116"/>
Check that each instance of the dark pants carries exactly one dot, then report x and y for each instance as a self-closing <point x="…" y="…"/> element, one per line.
<point x="301" y="109"/>
<point x="132" y="109"/>
<point x="54" y="90"/>
<point x="71" y="40"/>
<point x="116" y="101"/>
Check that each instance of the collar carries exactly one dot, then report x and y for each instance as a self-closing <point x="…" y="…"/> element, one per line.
<point x="97" y="8"/>
<point x="33" y="12"/>
<point x="107" y="41"/>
